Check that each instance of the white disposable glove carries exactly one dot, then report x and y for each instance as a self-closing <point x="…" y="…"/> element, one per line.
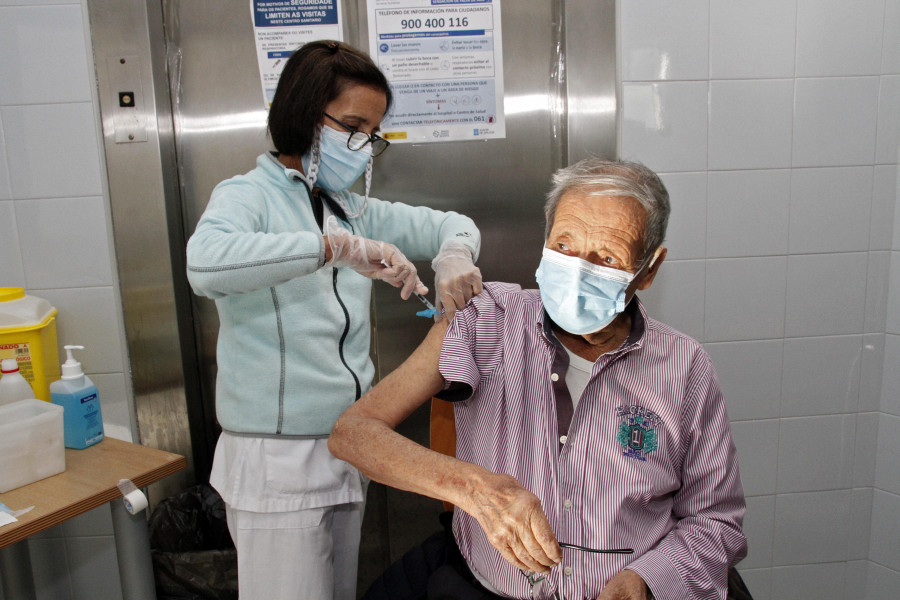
<point x="371" y="258"/>
<point x="455" y="276"/>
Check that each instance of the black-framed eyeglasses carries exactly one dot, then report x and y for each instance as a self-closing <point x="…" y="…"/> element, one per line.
<point x="534" y="579"/>
<point x="358" y="139"/>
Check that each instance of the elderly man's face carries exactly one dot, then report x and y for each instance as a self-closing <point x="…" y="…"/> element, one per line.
<point x="603" y="230"/>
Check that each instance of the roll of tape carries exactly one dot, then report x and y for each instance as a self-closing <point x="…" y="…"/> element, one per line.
<point x="135" y="502"/>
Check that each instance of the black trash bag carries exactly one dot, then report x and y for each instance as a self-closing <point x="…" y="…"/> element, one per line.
<point x="193" y="555"/>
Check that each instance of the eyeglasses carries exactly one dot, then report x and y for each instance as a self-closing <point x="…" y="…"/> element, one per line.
<point x="358" y="139"/>
<point x="534" y="579"/>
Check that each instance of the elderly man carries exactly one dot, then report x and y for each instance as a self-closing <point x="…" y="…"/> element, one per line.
<point x="583" y="425"/>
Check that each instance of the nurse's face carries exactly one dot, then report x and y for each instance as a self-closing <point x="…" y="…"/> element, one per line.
<point x="358" y="106"/>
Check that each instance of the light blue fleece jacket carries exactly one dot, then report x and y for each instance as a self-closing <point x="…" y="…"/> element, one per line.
<point x="293" y="347"/>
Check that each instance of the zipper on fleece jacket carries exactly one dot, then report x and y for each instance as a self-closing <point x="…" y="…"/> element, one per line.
<point x="346" y="332"/>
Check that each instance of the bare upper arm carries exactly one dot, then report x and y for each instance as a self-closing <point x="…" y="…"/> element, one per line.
<point x="412" y="384"/>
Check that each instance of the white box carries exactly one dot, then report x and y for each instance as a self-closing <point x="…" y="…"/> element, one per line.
<point x="31" y="442"/>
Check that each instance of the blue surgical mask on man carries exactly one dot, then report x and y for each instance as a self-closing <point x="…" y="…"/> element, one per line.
<point x="579" y="296"/>
<point x="339" y="166"/>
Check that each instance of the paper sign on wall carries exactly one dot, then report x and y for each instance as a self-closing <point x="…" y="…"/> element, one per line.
<point x="444" y="59"/>
<point x="282" y="26"/>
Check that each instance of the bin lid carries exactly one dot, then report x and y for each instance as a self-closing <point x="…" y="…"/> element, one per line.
<point x="18" y="309"/>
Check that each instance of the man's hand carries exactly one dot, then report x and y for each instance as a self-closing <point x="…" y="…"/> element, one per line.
<point x="515" y="523"/>
<point x="626" y="585"/>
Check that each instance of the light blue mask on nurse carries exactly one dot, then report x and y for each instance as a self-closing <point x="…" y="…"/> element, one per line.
<point x="338" y="166"/>
<point x="579" y="296"/>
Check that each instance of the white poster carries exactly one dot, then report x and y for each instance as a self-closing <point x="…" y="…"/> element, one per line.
<point x="282" y="26"/>
<point x="444" y="59"/>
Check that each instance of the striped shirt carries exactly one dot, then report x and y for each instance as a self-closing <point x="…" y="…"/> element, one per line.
<point x="646" y="461"/>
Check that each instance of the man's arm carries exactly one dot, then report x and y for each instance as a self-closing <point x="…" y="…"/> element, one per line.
<point x="364" y="436"/>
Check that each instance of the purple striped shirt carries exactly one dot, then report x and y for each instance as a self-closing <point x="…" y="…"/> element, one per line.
<point x="647" y="461"/>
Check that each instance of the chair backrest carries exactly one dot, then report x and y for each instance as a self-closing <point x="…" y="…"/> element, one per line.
<point x="443" y="431"/>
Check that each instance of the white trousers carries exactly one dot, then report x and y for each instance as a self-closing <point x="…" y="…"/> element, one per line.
<point x="303" y="555"/>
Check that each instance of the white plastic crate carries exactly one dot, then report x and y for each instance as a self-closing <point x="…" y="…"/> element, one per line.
<point x="31" y="442"/>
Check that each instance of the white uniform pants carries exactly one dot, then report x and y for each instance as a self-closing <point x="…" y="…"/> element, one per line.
<point x="303" y="555"/>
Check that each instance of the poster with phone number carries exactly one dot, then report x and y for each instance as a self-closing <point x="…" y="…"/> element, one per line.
<point x="282" y="26"/>
<point x="444" y="60"/>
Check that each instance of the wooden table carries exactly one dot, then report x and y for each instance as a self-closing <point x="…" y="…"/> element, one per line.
<point x="89" y="481"/>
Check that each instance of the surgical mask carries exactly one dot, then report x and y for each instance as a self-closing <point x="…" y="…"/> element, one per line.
<point x="333" y="166"/>
<point x="579" y="296"/>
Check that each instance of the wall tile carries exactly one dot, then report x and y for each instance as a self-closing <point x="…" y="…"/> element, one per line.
<point x="887" y="469"/>
<point x="64" y="242"/>
<point x="835" y="37"/>
<point x="860" y="523"/>
<point x="676" y="297"/>
<point x="662" y="40"/>
<point x="888" y="137"/>
<point x="757" y="449"/>
<point x="809" y="582"/>
<point x="45" y="55"/>
<point x="815" y="453"/>
<point x="758" y="581"/>
<point x="665" y="124"/>
<point x="748" y="213"/>
<point x="752" y="40"/>
<point x="686" y="234"/>
<point x="890" y="384"/>
<point x="11" y="272"/>
<point x="890" y="59"/>
<point x="886" y="530"/>
<point x="811" y="528"/>
<point x="830" y="209"/>
<point x="871" y="372"/>
<point x="821" y="375"/>
<point x="826" y="294"/>
<point x="5" y="190"/>
<point x="93" y="567"/>
<point x="52" y="150"/>
<point x="750" y="376"/>
<point x="834" y="121"/>
<point x="750" y="124"/>
<point x="89" y="317"/>
<point x="882" y="582"/>
<point x="36" y="2"/>
<point x="745" y="298"/>
<point x="49" y="568"/>
<point x="759" y="527"/>
<point x="884" y="201"/>
<point x="866" y="451"/>
<point x="893" y="307"/>
<point x="877" y="286"/>
<point x="855" y="579"/>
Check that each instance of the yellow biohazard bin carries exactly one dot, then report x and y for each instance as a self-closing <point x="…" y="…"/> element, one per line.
<point x="28" y="334"/>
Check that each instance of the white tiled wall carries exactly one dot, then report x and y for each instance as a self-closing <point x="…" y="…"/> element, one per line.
<point x="55" y="241"/>
<point x="776" y="127"/>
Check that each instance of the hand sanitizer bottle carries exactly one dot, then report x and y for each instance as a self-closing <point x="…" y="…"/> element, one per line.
<point x="77" y="394"/>
<point x="13" y="386"/>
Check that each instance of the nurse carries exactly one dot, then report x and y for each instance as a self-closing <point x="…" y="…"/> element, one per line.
<point x="289" y="255"/>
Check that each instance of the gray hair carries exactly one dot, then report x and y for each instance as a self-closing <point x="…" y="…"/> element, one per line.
<point x="596" y="176"/>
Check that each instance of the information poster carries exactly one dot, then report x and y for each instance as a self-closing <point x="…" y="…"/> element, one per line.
<point x="444" y="59"/>
<point x="282" y="26"/>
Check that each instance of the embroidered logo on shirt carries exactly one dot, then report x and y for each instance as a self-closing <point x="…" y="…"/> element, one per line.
<point x="637" y="433"/>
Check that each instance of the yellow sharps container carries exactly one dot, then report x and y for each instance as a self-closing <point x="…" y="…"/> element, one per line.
<point x="28" y="334"/>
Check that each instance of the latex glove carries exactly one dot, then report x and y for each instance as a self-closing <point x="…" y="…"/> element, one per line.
<point x="455" y="276"/>
<point x="372" y="258"/>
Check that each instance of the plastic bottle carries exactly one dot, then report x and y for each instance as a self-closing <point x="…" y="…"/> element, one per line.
<point x="13" y="386"/>
<point x="77" y="394"/>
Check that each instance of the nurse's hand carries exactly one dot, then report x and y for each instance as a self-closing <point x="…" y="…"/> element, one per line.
<point x="455" y="276"/>
<point x="371" y="258"/>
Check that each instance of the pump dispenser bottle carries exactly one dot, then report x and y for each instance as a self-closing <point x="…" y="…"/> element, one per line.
<point x="13" y="386"/>
<point x="77" y="394"/>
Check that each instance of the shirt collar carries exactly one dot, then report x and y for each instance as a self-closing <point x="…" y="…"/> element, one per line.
<point x="292" y="175"/>
<point x="635" y="309"/>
